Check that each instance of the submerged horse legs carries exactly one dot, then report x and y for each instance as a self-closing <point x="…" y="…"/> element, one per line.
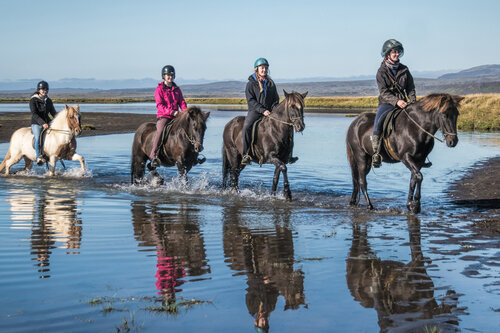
<point x="281" y="167"/>
<point x="364" y="167"/>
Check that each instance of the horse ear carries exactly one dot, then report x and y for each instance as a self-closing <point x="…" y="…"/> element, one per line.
<point x="286" y="94"/>
<point x="304" y="94"/>
<point x="66" y="106"/>
<point x="77" y="107"/>
<point x="205" y="115"/>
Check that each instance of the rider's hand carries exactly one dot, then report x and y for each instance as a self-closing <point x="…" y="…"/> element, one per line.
<point x="402" y="104"/>
<point x="176" y="113"/>
<point x="45" y="126"/>
<point x="267" y="113"/>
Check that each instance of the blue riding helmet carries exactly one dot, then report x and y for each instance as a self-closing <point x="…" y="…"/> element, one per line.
<point x="260" y="61"/>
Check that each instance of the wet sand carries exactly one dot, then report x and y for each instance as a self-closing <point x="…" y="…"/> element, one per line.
<point x="479" y="189"/>
<point x="102" y="122"/>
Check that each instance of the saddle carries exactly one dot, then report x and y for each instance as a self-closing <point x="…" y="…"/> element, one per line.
<point x="41" y="142"/>
<point x="253" y="141"/>
<point x="387" y="123"/>
<point x="164" y="137"/>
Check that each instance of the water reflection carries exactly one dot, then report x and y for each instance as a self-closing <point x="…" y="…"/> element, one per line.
<point x="52" y="215"/>
<point x="402" y="294"/>
<point x="175" y="234"/>
<point x="266" y="255"/>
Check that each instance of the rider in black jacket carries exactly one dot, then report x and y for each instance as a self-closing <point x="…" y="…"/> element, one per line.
<point x="262" y="96"/>
<point x="41" y="106"/>
<point x="396" y="88"/>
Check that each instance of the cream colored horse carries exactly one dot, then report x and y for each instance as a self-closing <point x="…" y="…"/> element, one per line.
<point x="59" y="142"/>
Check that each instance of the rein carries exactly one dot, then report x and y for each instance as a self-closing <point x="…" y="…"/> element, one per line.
<point x="189" y="137"/>
<point x="292" y="119"/>
<point x="440" y="140"/>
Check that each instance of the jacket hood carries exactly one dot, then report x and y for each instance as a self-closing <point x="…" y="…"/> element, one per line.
<point x="173" y="85"/>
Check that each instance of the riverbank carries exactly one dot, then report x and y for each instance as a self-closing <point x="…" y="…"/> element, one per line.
<point x="478" y="112"/>
<point x="479" y="189"/>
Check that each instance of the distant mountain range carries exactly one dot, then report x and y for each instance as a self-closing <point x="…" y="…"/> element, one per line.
<point x="480" y="79"/>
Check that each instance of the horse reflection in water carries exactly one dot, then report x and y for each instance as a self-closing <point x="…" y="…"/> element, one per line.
<point x="180" y="249"/>
<point x="53" y="218"/>
<point x="402" y="294"/>
<point x="266" y="256"/>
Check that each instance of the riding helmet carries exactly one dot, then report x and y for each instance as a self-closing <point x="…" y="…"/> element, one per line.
<point x="168" y="69"/>
<point x="260" y="61"/>
<point x="392" y="44"/>
<point x="42" y="85"/>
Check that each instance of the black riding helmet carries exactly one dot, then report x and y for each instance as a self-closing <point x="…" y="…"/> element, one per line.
<point x="168" y="69"/>
<point x="392" y="44"/>
<point x="42" y="85"/>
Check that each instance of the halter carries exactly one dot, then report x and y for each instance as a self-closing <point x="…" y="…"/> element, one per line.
<point x="292" y="119"/>
<point x="190" y="138"/>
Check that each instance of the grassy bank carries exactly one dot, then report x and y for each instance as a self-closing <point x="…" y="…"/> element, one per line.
<point x="479" y="112"/>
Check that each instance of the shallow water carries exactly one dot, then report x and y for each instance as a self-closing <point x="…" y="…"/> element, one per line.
<point x="89" y="252"/>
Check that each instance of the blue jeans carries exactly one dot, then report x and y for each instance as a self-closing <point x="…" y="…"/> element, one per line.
<point x="37" y="130"/>
<point x="382" y="111"/>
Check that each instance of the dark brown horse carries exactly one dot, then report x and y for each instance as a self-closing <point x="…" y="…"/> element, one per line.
<point x="411" y="142"/>
<point x="183" y="144"/>
<point x="273" y="143"/>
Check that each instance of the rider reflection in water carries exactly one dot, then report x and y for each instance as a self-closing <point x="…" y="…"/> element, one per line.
<point x="169" y="99"/>
<point x="262" y="97"/>
<point x="396" y="88"/>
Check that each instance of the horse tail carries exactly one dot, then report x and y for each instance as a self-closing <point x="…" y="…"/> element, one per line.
<point x="225" y="167"/>
<point x="4" y="162"/>
<point x="354" y="169"/>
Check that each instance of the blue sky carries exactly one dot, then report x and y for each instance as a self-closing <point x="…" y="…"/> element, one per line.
<point x="219" y="40"/>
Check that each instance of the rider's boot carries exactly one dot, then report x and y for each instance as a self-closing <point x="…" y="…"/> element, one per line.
<point x="376" y="158"/>
<point x="292" y="159"/>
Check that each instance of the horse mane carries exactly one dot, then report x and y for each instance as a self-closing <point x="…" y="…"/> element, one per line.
<point x="62" y="115"/>
<point x="295" y="99"/>
<point x="182" y="117"/>
<point x="439" y="102"/>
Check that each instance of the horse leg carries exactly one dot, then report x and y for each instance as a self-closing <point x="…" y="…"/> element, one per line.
<point x="9" y="161"/>
<point x="276" y="179"/>
<point x="182" y="170"/>
<point x="79" y="158"/>
<point x="363" y="170"/>
<point x="413" y="203"/>
<point x="52" y="165"/>
<point x="280" y="166"/>
<point x="28" y="163"/>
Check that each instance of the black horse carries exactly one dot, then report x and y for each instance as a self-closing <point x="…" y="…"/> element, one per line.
<point x="273" y="143"/>
<point x="183" y="144"/>
<point x="410" y="142"/>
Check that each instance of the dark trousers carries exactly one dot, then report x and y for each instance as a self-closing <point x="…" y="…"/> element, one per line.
<point x="246" y="136"/>
<point x="382" y="111"/>
<point x="160" y="125"/>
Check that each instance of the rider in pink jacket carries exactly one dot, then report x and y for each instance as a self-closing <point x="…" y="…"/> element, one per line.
<point x="169" y="99"/>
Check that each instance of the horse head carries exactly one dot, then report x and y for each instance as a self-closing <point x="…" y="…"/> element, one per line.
<point x="446" y="107"/>
<point x="294" y="103"/>
<point x="195" y="126"/>
<point x="74" y="119"/>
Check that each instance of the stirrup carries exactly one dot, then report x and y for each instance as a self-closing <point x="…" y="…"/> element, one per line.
<point x="246" y="160"/>
<point x="376" y="160"/>
<point x="155" y="162"/>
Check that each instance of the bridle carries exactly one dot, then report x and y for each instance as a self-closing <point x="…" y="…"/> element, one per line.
<point x="441" y="127"/>
<point x="292" y="119"/>
<point x="70" y="133"/>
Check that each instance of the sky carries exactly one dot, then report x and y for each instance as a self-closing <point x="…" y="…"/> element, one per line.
<point x="220" y="40"/>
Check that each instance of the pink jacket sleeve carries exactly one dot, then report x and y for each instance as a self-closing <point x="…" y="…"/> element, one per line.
<point x="164" y="109"/>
